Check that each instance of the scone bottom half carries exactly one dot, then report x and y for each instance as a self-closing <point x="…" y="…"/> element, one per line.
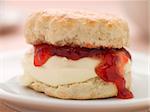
<point x="110" y="71"/>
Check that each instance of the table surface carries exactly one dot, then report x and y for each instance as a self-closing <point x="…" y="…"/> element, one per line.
<point x="5" y="108"/>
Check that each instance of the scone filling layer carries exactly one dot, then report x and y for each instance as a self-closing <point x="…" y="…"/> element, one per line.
<point x="111" y="69"/>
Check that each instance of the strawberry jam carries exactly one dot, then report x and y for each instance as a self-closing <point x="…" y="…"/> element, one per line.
<point x="111" y="68"/>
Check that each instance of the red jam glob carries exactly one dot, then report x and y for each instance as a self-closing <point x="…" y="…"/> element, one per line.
<point x="111" y="68"/>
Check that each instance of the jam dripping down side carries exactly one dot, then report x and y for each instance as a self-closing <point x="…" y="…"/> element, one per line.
<point x="111" y="69"/>
<point x="41" y="54"/>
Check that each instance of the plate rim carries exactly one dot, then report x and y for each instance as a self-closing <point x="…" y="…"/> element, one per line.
<point x="60" y="102"/>
<point x="5" y="95"/>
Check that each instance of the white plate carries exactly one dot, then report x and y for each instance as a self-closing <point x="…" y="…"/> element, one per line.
<point x="21" y="98"/>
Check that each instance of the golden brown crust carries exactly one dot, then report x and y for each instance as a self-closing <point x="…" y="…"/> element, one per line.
<point x="77" y="28"/>
<point x="90" y="89"/>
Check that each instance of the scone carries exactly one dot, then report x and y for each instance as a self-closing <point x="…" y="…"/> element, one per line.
<point x="77" y="55"/>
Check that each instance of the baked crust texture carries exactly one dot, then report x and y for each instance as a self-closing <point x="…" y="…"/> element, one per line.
<point x="90" y="89"/>
<point x="77" y="28"/>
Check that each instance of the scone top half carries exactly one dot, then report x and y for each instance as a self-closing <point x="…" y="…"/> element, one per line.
<point x="78" y="55"/>
<point x="77" y="28"/>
